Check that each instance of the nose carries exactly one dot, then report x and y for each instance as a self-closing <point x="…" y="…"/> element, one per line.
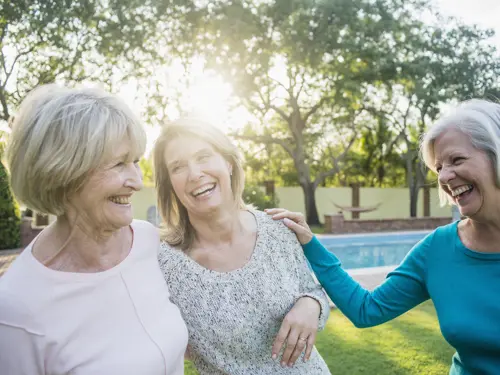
<point x="134" y="177"/>
<point x="195" y="172"/>
<point x="446" y="174"/>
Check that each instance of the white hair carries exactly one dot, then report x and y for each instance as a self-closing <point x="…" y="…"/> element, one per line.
<point x="60" y="136"/>
<point x="480" y="120"/>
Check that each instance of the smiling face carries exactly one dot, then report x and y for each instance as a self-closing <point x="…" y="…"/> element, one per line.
<point x="200" y="176"/>
<point x="104" y="200"/>
<point x="465" y="173"/>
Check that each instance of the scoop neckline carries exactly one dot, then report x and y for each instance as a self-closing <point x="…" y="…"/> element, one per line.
<point x="472" y="253"/>
<point x="84" y="276"/>
<point x="199" y="269"/>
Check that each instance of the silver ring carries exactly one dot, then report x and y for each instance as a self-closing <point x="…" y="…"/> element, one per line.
<point x="302" y="339"/>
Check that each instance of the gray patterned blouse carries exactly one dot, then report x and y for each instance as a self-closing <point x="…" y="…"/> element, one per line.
<point x="233" y="317"/>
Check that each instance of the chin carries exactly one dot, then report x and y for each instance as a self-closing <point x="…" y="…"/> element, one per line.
<point x="468" y="212"/>
<point x="121" y="222"/>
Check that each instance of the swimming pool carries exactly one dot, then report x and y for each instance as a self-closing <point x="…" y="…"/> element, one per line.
<point x="371" y="250"/>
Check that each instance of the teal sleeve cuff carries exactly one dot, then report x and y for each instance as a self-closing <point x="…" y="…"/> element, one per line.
<point x="316" y="253"/>
<point x="311" y="245"/>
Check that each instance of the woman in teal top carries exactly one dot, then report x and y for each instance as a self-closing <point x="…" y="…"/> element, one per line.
<point x="457" y="266"/>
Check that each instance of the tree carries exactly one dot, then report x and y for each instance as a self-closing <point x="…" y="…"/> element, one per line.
<point x="302" y="68"/>
<point x="147" y="170"/>
<point x="443" y="64"/>
<point x="46" y="41"/>
<point x="10" y="223"/>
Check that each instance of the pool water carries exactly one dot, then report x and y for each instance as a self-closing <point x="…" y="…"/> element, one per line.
<point x="372" y="250"/>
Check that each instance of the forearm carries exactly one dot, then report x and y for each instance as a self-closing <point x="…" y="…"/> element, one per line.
<point x="321" y="298"/>
<point x="362" y="307"/>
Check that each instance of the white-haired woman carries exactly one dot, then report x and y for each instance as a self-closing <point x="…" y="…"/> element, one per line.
<point x="87" y="295"/>
<point x="239" y="278"/>
<point x="457" y="265"/>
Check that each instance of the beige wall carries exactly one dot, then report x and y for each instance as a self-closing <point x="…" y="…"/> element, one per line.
<point x="395" y="202"/>
<point x="141" y="200"/>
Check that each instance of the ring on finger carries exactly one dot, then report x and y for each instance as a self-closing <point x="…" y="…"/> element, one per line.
<point x="302" y="339"/>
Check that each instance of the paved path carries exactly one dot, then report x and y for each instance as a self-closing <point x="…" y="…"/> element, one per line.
<point x="6" y="258"/>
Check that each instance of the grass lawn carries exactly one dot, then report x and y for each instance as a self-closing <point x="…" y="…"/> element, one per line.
<point x="318" y="229"/>
<point x="411" y="344"/>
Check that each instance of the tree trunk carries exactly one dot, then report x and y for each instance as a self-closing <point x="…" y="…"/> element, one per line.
<point x="312" y="216"/>
<point x="427" y="201"/>
<point x="414" y="199"/>
<point x="412" y="183"/>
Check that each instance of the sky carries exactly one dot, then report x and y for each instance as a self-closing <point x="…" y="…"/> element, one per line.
<point x="485" y="13"/>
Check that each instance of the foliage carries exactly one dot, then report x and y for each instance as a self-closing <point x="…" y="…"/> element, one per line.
<point x="147" y="171"/>
<point x="255" y="196"/>
<point x="84" y="40"/>
<point x="311" y="74"/>
<point x="268" y="162"/>
<point x="326" y="51"/>
<point x="10" y="223"/>
<point x="411" y="345"/>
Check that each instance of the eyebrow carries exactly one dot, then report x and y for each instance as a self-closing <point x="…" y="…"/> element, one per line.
<point x="197" y="153"/>
<point x="203" y="150"/>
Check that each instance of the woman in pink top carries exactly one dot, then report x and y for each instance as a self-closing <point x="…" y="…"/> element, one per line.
<point x="87" y="295"/>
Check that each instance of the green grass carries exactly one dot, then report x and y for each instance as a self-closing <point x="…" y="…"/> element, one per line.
<point x="318" y="229"/>
<point x="411" y="344"/>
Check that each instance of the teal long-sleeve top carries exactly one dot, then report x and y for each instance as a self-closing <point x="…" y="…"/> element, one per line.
<point x="463" y="284"/>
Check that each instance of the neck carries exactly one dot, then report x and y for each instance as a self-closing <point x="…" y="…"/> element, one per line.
<point x="85" y="246"/>
<point x="220" y="227"/>
<point x="486" y="230"/>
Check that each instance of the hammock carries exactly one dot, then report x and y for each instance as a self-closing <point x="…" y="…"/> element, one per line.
<point x="358" y="209"/>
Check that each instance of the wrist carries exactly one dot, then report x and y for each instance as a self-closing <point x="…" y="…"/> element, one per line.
<point x="309" y="299"/>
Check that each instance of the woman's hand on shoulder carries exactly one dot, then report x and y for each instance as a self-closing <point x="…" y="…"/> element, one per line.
<point x="298" y="331"/>
<point x="293" y="220"/>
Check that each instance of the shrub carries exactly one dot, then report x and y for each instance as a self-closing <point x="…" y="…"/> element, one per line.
<point x="10" y="223"/>
<point x="255" y="196"/>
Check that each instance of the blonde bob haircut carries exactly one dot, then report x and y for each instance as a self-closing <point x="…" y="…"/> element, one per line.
<point x="176" y="229"/>
<point x="480" y="121"/>
<point x="60" y="136"/>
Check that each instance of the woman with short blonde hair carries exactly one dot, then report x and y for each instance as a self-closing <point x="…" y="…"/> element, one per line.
<point x="87" y="290"/>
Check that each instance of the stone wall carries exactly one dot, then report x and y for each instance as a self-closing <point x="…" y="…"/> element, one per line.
<point x="336" y="224"/>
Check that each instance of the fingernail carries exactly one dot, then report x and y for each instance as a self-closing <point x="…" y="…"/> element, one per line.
<point x="283" y="364"/>
<point x="274" y="356"/>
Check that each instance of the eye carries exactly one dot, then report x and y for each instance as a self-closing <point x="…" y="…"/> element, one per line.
<point x="438" y="168"/>
<point x="203" y="157"/>
<point x="119" y="164"/>
<point x="176" y="169"/>
<point x="458" y="159"/>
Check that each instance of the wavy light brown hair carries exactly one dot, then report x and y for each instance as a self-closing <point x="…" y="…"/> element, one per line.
<point x="176" y="228"/>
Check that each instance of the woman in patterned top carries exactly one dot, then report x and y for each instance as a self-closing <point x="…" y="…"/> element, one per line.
<point x="239" y="278"/>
